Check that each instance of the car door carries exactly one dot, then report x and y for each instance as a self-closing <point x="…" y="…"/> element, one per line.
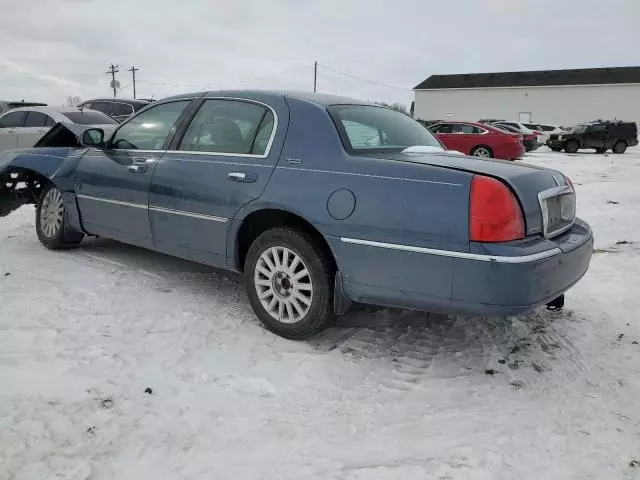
<point x="444" y="132"/>
<point x="464" y="136"/>
<point x="594" y="136"/>
<point x="112" y="183"/>
<point x="33" y="129"/>
<point x="223" y="160"/>
<point x="10" y="124"/>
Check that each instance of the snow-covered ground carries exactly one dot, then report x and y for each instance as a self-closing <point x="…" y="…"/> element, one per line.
<point x="384" y="395"/>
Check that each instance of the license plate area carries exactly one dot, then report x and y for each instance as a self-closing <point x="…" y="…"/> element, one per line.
<point x="558" y="206"/>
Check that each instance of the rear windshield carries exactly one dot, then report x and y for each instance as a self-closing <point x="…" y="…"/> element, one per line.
<point x="365" y="128"/>
<point x="86" y="117"/>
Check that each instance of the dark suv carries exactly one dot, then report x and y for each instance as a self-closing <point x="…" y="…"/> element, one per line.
<point x="118" y="108"/>
<point x="600" y="135"/>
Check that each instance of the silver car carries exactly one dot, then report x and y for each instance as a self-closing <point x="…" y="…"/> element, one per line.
<point x="23" y="127"/>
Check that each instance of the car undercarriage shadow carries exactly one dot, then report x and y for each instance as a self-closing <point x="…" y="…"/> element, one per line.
<point x="412" y="342"/>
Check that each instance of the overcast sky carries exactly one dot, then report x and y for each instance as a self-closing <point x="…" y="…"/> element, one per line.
<point x="55" y="48"/>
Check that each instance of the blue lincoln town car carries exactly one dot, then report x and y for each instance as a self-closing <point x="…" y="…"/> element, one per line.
<point x="319" y="201"/>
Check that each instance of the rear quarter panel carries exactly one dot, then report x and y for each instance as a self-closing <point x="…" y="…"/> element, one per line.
<point x="390" y="201"/>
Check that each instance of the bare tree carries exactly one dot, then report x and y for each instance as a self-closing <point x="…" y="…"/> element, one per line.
<point x="397" y="106"/>
<point x="73" y="101"/>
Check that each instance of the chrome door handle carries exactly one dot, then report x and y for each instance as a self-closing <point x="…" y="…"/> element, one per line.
<point x="143" y="160"/>
<point x="137" y="168"/>
<point x="242" y="177"/>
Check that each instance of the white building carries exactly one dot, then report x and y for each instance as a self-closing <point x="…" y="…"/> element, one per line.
<point x="563" y="97"/>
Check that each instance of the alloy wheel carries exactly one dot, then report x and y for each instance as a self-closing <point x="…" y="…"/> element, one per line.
<point x="51" y="213"/>
<point x="283" y="284"/>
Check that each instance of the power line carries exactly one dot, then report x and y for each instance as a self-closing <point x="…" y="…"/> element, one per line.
<point x="113" y="69"/>
<point x="364" y="79"/>
<point x="133" y="71"/>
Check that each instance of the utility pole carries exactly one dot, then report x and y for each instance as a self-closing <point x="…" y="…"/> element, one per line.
<point x="113" y="69"/>
<point x="315" y="76"/>
<point x="133" y="71"/>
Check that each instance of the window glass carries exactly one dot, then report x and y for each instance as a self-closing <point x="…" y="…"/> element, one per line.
<point x="443" y="128"/>
<point x="395" y="131"/>
<point x="34" y="119"/>
<point x="465" y="128"/>
<point x="121" y="109"/>
<point x="48" y="121"/>
<point x="263" y="136"/>
<point x="548" y="128"/>
<point x="89" y="117"/>
<point x="149" y="130"/>
<point x="12" y="119"/>
<point x="598" y="128"/>
<point x="99" y="106"/>
<point x="229" y="126"/>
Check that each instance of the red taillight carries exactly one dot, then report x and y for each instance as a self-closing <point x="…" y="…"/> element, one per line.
<point x="494" y="213"/>
<point x="570" y="183"/>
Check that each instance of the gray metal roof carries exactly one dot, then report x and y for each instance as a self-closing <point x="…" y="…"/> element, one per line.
<point x="534" y="78"/>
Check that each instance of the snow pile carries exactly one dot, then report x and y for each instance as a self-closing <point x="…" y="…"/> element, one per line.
<point x="119" y="363"/>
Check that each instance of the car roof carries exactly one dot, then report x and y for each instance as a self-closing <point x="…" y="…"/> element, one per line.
<point x="116" y="100"/>
<point x="475" y="124"/>
<point x="317" y="98"/>
<point x="46" y="109"/>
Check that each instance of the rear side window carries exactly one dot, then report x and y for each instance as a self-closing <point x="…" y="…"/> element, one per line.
<point x="369" y="129"/>
<point x="12" y="119"/>
<point x="547" y="128"/>
<point x="89" y="117"/>
<point x="229" y="126"/>
<point x="120" y="109"/>
<point x="443" y="128"/>
<point x="99" y="106"/>
<point x="465" y="129"/>
<point x="35" y="119"/>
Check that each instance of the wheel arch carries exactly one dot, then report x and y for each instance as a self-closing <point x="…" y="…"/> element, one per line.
<point x="261" y="218"/>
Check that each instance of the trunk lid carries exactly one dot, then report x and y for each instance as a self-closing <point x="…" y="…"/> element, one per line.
<point x="547" y="199"/>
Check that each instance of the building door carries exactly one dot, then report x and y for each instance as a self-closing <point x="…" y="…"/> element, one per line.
<point x="524" y="117"/>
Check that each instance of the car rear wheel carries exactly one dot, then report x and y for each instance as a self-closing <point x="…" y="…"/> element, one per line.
<point x="51" y="221"/>
<point x="482" y="151"/>
<point x="571" y="146"/>
<point x="620" y="147"/>
<point x="601" y="150"/>
<point x="289" y="278"/>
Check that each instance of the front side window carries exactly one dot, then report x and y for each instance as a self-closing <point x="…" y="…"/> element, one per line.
<point x="378" y="129"/>
<point x="466" y="129"/>
<point x="150" y="129"/>
<point x="229" y="126"/>
<point x="443" y="128"/>
<point x="598" y="128"/>
<point x="99" y="106"/>
<point x="12" y="119"/>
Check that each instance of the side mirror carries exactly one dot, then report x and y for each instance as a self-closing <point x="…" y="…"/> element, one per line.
<point x="93" y="137"/>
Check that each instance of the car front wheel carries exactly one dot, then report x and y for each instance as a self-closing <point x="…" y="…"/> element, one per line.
<point x="571" y="146"/>
<point x="289" y="278"/>
<point x="51" y="221"/>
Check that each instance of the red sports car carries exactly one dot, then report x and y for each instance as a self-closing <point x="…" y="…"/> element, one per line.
<point x="479" y="140"/>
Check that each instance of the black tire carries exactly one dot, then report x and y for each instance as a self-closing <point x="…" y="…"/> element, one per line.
<point x="601" y="150"/>
<point x="620" y="147"/>
<point x="479" y="148"/>
<point x="571" y="146"/>
<point x="318" y="262"/>
<point x="62" y="236"/>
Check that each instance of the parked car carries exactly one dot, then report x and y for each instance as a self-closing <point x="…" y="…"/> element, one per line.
<point x="600" y="135"/>
<point x="530" y="142"/>
<point x="5" y="106"/>
<point x="118" y="108"/>
<point x="537" y="129"/>
<point x="479" y="140"/>
<point x="551" y="129"/>
<point x="23" y="127"/>
<point x="532" y="139"/>
<point x="320" y="201"/>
